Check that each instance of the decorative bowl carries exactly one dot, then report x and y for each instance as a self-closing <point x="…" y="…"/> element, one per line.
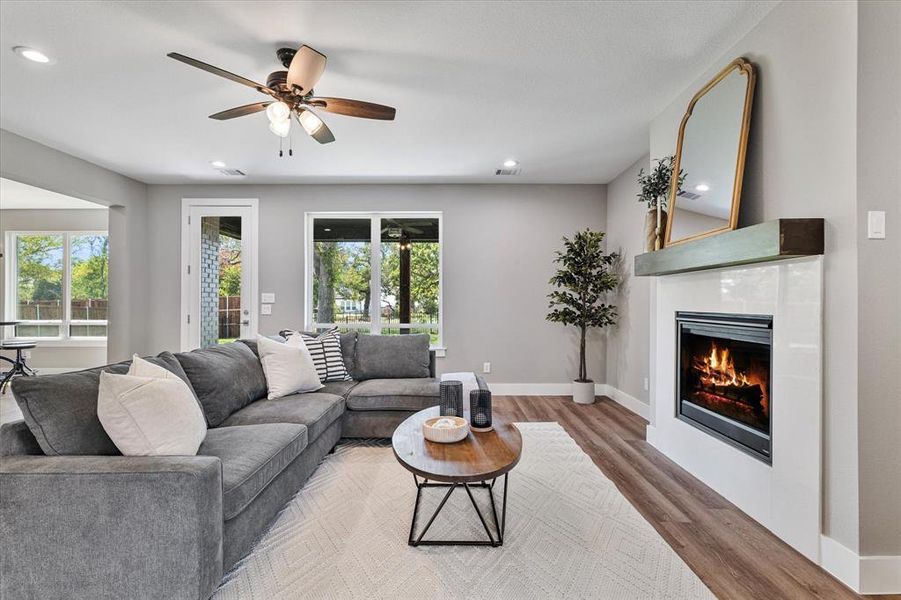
<point x="457" y="430"/>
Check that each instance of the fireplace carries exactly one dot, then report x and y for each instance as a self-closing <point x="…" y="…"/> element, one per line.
<point x="723" y="378"/>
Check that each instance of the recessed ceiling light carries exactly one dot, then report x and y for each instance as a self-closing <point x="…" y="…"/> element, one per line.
<point x="218" y="164"/>
<point x="510" y="163"/>
<point x="31" y="54"/>
<point x="327" y="229"/>
<point x="702" y="187"/>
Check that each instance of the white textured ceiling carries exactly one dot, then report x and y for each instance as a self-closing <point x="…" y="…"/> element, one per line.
<point x="15" y="195"/>
<point x="566" y="88"/>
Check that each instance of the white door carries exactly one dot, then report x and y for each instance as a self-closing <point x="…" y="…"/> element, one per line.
<point x="219" y="291"/>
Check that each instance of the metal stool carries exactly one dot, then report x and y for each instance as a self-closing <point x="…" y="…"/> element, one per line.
<point x="18" y="365"/>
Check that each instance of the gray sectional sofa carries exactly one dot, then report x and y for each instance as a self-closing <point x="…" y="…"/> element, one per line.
<point x="79" y="520"/>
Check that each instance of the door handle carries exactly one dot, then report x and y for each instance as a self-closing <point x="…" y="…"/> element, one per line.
<point x="245" y="322"/>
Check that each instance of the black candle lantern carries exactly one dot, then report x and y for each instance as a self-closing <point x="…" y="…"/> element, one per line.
<point x="451" y="401"/>
<point x="480" y="410"/>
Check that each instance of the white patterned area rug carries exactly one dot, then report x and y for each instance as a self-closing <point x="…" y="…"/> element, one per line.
<point x="570" y="534"/>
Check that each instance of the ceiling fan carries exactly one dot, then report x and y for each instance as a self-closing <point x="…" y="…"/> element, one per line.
<point x="291" y="94"/>
<point x="397" y="229"/>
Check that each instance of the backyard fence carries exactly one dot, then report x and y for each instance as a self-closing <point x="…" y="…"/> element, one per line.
<point x="89" y="309"/>
<point x="229" y="317"/>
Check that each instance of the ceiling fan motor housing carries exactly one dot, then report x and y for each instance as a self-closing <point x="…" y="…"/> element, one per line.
<point x="278" y="80"/>
<point x="285" y="55"/>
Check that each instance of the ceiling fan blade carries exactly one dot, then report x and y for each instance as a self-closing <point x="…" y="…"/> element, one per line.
<point x="240" y="111"/>
<point x="354" y="108"/>
<point x="220" y="72"/>
<point x="305" y="70"/>
<point x="314" y="126"/>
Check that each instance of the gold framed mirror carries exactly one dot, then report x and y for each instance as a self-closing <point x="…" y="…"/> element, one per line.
<point x="710" y="152"/>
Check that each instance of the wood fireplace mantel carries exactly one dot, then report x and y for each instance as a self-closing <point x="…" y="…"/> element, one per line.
<point x="774" y="240"/>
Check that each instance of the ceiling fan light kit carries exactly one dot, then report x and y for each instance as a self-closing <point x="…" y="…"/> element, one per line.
<point x="291" y="94"/>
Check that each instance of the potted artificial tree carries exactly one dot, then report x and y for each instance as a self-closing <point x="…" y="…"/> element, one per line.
<point x="583" y="278"/>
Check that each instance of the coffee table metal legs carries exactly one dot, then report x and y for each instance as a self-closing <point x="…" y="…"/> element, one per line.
<point x="495" y="533"/>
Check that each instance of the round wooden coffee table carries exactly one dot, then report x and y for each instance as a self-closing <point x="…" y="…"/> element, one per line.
<point x="476" y="462"/>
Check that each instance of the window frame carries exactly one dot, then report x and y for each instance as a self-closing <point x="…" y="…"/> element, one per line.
<point x="12" y="288"/>
<point x="375" y="217"/>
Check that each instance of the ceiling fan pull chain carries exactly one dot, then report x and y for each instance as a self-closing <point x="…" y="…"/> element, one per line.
<point x="291" y="144"/>
<point x="281" y="153"/>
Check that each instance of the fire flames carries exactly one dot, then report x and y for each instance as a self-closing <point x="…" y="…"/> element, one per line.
<point x="717" y="372"/>
<point x="719" y="369"/>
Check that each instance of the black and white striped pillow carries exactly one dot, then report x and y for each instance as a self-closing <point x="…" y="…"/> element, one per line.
<point x="326" y="352"/>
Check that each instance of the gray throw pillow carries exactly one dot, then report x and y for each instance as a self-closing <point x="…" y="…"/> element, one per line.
<point x="225" y="378"/>
<point x="391" y="356"/>
<point x="349" y="350"/>
<point x="61" y="409"/>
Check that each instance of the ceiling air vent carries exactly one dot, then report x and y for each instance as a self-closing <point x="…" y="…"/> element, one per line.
<point x="513" y="171"/>
<point x="689" y="195"/>
<point x="233" y="172"/>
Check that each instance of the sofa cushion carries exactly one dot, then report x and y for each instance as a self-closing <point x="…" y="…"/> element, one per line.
<point x="252" y="344"/>
<point x="394" y="394"/>
<point x="391" y="356"/>
<point x="61" y="409"/>
<point x="338" y="388"/>
<point x="252" y="456"/>
<point x="225" y="378"/>
<point x="314" y="409"/>
<point x="349" y="350"/>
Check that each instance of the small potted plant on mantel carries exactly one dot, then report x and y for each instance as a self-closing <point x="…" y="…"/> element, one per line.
<point x="582" y="280"/>
<point x="655" y="189"/>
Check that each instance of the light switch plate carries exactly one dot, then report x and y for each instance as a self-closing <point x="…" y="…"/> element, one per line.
<point x="267" y="298"/>
<point x="876" y="224"/>
<point x="486" y="367"/>
<point x="266" y="309"/>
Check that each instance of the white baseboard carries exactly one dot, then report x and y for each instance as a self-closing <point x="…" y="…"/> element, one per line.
<point x="642" y="409"/>
<point x="536" y="389"/>
<point x="863" y="574"/>
<point x="565" y="389"/>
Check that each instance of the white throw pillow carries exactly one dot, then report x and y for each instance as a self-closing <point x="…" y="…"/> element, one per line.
<point x="152" y="414"/>
<point x="288" y="367"/>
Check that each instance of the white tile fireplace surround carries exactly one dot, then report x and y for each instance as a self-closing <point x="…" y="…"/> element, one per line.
<point x="784" y="497"/>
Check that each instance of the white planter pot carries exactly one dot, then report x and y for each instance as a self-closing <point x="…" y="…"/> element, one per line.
<point x="583" y="392"/>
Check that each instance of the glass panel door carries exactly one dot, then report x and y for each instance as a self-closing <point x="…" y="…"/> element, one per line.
<point x="221" y="308"/>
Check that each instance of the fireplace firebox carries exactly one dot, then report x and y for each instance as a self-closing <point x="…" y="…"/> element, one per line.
<point x="723" y="378"/>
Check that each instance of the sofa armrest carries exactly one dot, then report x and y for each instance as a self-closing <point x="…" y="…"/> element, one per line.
<point x="110" y="526"/>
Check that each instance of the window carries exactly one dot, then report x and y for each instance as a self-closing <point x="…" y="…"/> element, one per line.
<point x="398" y="255"/>
<point x="58" y="284"/>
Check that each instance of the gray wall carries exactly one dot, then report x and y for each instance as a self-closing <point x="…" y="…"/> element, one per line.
<point x="628" y="342"/>
<point x="29" y="162"/>
<point x="53" y="220"/>
<point x="802" y="163"/>
<point x="499" y="242"/>
<point x="879" y="273"/>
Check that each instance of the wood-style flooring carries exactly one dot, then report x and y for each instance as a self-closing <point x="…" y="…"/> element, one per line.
<point x="732" y="554"/>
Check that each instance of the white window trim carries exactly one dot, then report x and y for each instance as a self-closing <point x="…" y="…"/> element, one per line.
<point x="11" y="285"/>
<point x="375" y="218"/>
